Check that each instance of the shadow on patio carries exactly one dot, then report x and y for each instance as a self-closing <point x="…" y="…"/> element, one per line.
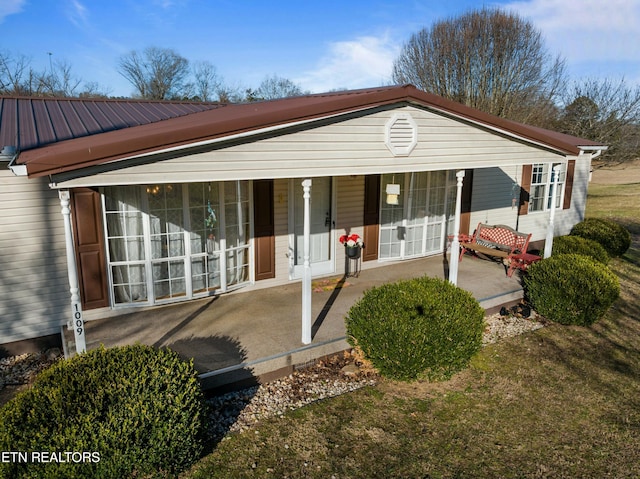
<point x="254" y="334"/>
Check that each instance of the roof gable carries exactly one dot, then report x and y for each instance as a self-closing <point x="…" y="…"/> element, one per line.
<point x="217" y="122"/>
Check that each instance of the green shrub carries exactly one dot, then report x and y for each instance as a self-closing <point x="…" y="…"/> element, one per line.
<point x="137" y="409"/>
<point x="571" y="288"/>
<point x="420" y="328"/>
<point x="580" y="245"/>
<point x="614" y="238"/>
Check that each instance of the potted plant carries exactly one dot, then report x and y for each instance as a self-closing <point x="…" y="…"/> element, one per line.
<point x="352" y="243"/>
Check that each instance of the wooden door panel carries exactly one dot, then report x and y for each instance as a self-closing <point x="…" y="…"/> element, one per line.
<point x="264" y="230"/>
<point x="88" y="234"/>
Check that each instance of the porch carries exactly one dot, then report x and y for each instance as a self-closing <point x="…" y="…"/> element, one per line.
<point x="254" y="334"/>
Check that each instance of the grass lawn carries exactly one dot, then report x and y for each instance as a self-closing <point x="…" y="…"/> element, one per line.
<point x="561" y="402"/>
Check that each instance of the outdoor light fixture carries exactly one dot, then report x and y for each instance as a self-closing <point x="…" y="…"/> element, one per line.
<point x="393" y="191"/>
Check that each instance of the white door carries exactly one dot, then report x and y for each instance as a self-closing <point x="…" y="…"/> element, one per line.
<point x="321" y="219"/>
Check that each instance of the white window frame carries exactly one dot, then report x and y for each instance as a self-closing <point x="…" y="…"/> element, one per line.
<point x="542" y="178"/>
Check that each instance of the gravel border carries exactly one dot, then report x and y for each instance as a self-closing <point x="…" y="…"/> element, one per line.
<point x="241" y="410"/>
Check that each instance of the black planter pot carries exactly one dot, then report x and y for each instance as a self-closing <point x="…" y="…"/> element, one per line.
<point x="353" y="252"/>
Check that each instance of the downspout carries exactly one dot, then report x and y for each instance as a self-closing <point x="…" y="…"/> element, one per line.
<point x="11" y="153"/>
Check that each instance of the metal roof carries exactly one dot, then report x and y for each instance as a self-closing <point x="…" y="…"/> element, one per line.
<point x="134" y="130"/>
<point x="29" y="123"/>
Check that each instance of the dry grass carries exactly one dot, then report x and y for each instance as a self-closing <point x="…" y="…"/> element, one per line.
<point x="561" y="402"/>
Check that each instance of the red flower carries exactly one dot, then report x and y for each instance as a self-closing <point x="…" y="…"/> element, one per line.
<point x="351" y="240"/>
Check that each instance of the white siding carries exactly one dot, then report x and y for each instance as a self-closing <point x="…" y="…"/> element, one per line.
<point x="34" y="291"/>
<point x="353" y="146"/>
<point x="493" y="194"/>
<point x="492" y="201"/>
<point x="538" y="222"/>
<point x="350" y="214"/>
<point x="281" y="228"/>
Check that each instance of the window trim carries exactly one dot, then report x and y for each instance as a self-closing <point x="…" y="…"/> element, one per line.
<point x="566" y="186"/>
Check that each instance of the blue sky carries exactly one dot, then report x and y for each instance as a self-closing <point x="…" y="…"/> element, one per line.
<point x="319" y="45"/>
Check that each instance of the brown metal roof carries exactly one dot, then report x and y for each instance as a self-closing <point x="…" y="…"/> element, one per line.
<point x="29" y="123"/>
<point x="99" y="147"/>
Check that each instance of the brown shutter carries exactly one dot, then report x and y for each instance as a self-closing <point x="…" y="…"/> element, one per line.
<point x="465" y="209"/>
<point x="568" y="185"/>
<point x="88" y="234"/>
<point x="264" y="229"/>
<point x="371" y="217"/>
<point x="525" y="189"/>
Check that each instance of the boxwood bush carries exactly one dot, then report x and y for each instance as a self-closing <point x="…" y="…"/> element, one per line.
<point x="420" y="328"/>
<point x="579" y="245"/>
<point x="614" y="238"/>
<point x="138" y="412"/>
<point x="571" y="288"/>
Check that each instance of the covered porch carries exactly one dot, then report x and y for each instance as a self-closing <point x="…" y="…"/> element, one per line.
<point x="254" y="334"/>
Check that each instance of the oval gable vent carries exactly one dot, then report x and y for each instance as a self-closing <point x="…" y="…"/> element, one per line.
<point x="401" y="134"/>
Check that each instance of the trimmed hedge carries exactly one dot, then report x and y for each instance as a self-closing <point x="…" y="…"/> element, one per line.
<point x="580" y="245"/>
<point x="419" y="328"/>
<point x="571" y="288"/>
<point x="614" y="238"/>
<point x="137" y="410"/>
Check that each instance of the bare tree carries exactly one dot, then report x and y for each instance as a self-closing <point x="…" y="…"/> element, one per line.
<point x="207" y="83"/>
<point x="606" y="111"/>
<point x="59" y="82"/>
<point x="16" y="75"/>
<point x="156" y="74"/>
<point x="487" y="59"/>
<point x="273" y="87"/>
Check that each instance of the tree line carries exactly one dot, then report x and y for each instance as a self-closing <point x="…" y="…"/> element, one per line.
<point x="489" y="59"/>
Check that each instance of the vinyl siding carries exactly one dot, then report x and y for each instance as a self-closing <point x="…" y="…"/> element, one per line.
<point x="348" y="147"/>
<point x="565" y="219"/>
<point x="34" y="291"/>
<point x="350" y="214"/>
<point x="492" y="197"/>
<point x="281" y="217"/>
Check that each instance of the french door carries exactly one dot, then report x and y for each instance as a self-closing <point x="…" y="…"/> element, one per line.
<point x="417" y="221"/>
<point x="321" y="222"/>
<point x="172" y="241"/>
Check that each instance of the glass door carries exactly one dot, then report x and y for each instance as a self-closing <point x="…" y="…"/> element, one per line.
<point x="415" y="223"/>
<point x="321" y="219"/>
<point x="173" y="241"/>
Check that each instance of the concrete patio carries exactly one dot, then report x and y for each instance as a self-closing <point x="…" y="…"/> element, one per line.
<point x="254" y="334"/>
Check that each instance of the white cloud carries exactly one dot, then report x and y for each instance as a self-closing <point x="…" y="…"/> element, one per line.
<point x="10" y="7"/>
<point x="363" y="62"/>
<point x="77" y="13"/>
<point x="586" y="30"/>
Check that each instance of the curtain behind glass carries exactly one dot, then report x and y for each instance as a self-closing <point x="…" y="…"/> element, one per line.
<point x="125" y="236"/>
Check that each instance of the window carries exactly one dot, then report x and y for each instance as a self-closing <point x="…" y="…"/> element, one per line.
<point x="172" y="241"/>
<point x="542" y="178"/>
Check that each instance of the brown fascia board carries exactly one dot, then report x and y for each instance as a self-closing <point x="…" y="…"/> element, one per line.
<point x="236" y="119"/>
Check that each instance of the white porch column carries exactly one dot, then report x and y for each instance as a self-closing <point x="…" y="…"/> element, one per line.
<point x="454" y="257"/>
<point x="306" y="274"/>
<point x="548" y="244"/>
<point x="76" y="322"/>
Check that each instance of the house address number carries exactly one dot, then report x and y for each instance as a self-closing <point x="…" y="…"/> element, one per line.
<point x="77" y="319"/>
